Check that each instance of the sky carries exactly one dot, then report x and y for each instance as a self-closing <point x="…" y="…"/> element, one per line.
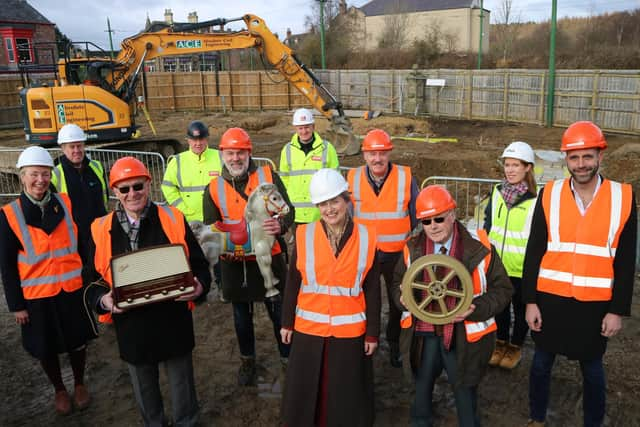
<point x="87" y="21"/>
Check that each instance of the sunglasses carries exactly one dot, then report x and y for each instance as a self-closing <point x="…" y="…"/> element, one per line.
<point x="438" y="220"/>
<point x="136" y="187"/>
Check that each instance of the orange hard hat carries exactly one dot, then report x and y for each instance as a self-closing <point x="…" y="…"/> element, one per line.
<point x="581" y="135"/>
<point x="126" y="168"/>
<point x="377" y="140"/>
<point x="433" y="200"/>
<point x="235" y="139"/>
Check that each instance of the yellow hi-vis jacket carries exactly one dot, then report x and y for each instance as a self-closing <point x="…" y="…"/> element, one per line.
<point x="58" y="179"/>
<point x="510" y="229"/>
<point x="185" y="179"/>
<point x="578" y="262"/>
<point x="296" y="170"/>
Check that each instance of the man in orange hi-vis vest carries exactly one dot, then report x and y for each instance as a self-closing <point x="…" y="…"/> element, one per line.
<point x="578" y="271"/>
<point x="159" y="333"/>
<point x="463" y="347"/>
<point x="384" y="197"/>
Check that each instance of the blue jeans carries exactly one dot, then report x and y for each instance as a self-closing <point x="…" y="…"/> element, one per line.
<point x="434" y="359"/>
<point x="593" y="388"/>
<point x="243" y="322"/>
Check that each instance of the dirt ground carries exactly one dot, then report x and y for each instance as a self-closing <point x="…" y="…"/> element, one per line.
<point x="27" y="397"/>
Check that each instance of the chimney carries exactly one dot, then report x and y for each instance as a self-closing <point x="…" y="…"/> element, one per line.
<point x="193" y="17"/>
<point x="288" y="34"/>
<point x="342" y="7"/>
<point x="168" y="16"/>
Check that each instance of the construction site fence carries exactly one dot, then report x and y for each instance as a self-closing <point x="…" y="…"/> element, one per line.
<point x="10" y="186"/>
<point x="610" y="98"/>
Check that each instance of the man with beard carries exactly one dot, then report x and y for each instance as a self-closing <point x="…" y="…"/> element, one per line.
<point x="384" y="197"/>
<point x="225" y="199"/>
<point x="578" y="271"/>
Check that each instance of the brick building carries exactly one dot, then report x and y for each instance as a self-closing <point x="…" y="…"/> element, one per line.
<point x="24" y="33"/>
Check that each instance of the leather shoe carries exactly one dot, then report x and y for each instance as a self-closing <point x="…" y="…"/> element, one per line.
<point x="534" y="423"/>
<point x="512" y="357"/>
<point x="63" y="402"/>
<point x="81" y="397"/>
<point x="498" y="353"/>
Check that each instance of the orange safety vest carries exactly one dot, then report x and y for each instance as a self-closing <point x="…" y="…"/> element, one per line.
<point x="231" y="204"/>
<point x="387" y="212"/>
<point x="47" y="263"/>
<point x="173" y="226"/>
<point x="578" y="262"/>
<point x="474" y="330"/>
<point x="331" y="299"/>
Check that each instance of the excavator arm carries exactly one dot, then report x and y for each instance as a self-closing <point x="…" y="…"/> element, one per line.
<point x="166" y="42"/>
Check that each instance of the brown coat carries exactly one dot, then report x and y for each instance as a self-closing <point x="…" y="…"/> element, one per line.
<point x="349" y="372"/>
<point x="473" y="358"/>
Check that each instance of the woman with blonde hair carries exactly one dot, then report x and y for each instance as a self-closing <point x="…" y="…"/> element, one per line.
<point x="508" y="221"/>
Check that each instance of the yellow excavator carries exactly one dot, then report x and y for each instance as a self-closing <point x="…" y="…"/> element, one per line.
<point x="99" y="94"/>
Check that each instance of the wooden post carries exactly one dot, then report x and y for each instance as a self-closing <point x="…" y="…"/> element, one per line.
<point x="230" y="91"/>
<point x="173" y="92"/>
<point x="369" y="91"/>
<point x="393" y="87"/>
<point x="437" y="112"/>
<point x="259" y="91"/>
<point x="505" y="95"/>
<point x="469" y="94"/>
<point x="594" y="96"/>
<point x="204" y="99"/>
<point x="288" y="84"/>
<point x="542" y="103"/>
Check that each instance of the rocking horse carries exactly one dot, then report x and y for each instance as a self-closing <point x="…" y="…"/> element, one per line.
<point x="247" y="237"/>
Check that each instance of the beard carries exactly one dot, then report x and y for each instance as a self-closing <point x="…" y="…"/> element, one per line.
<point x="237" y="169"/>
<point x="586" y="175"/>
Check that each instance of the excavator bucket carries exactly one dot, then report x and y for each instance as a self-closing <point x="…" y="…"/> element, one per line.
<point x="341" y="134"/>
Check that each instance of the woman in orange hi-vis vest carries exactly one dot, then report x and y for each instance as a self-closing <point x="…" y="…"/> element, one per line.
<point x="331" y="314"/>
<point x="463" y="347"/>
<point x="41" y="273"/>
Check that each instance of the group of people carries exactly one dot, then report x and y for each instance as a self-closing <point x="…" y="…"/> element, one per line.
<point x="535" y="258"/>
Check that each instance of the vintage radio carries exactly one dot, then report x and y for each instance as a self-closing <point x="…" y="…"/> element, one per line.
<point x="151" y="275"/>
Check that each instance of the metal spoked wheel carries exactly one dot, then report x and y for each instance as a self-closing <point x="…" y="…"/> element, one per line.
<point x="419" y="293"/>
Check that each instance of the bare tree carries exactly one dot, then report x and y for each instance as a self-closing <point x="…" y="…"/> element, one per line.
<point x="507" y="28"/>
<point x="394" y="32"/>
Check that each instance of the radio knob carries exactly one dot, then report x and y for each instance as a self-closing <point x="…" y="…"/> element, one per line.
<point x="147" y="296"/>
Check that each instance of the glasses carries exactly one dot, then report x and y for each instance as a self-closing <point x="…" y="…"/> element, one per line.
<point x="438" y="220"/>
<point x="136" y="187"/>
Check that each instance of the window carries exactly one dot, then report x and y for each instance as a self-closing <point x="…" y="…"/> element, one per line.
<point x="24" y="50"/>
<point x="8" y="42"/>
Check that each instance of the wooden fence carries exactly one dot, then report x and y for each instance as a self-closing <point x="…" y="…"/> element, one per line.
<point x="608" y="97"/>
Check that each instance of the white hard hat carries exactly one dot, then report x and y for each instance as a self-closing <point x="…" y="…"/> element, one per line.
<point x="71" y="133"/>
<point x="302" y="117"/>
<point x="519" y="150"/>
<point x="326" y="184"/>
<point x="34" y="156"/>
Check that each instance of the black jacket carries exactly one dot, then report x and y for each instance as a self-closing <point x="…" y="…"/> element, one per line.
<point x="571" y="327"/>
<point x="160" y="331"/>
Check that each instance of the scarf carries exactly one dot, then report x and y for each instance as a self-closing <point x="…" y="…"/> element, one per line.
<point x="42" y="204"/>
<point x="512" y="192"/>
<point x="132" y="230"/>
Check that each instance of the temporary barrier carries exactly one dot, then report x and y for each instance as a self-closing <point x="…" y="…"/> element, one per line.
<point x="10" y="183"/>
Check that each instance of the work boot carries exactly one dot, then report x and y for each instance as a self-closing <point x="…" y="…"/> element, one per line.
<point x="511" y="357"/>
<point x="81" y="397"/>
<point x="63" y="402"/>
<point x="247" y="371"/>
<point x="395" y="358"/>
<point x="498" y="353"/>
<point x="534" y="423"/>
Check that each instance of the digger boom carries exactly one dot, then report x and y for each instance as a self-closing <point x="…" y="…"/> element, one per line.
<point x="104" y="103"/>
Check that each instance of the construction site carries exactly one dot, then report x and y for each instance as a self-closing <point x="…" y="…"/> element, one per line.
<point x="449" y="126"/>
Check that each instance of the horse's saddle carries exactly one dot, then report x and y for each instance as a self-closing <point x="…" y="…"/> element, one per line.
<point x="238" y="232"/>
